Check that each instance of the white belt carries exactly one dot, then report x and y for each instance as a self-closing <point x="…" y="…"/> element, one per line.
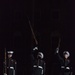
<point x="62" y="66"/>
<point x="68" y="68"/>
<point x="38" y="66"/>
<point x="65" y="67"/>
<point x="11" y="67"/>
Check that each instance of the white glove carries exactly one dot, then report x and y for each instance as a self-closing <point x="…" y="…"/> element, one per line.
<point x="57" y="50"/>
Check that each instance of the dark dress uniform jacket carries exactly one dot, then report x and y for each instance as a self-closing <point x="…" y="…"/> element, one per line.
<point x="39" y="67"/>
<point x="11" y="69"/>
<point x="65" y="66"/>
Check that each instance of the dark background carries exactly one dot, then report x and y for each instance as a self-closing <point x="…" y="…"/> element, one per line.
<point x="50" y="20"/>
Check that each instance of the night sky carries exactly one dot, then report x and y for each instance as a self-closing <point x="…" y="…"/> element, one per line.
<point x="50" y="20"/>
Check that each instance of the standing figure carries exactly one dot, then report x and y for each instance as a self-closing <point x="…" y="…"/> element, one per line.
<point x="11" y="64"/>
<point x="65" y="65"/>
<point x="39" y="65"/>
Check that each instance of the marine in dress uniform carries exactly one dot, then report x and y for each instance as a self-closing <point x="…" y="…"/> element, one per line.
<point x="11" y="64"/>
<point x="65" y="65"/>
<point x="39" y="65"/>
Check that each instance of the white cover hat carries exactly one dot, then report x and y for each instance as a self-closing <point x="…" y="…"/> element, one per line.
<point x="66" y="52"/>
<point x="40" y="54"/>
<point x="10" y="52"/>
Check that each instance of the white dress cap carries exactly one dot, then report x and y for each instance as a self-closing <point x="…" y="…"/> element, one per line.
<point x="40" y="54"/>
<point x="10" y="52"/>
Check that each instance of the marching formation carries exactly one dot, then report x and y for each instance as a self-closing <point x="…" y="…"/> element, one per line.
<point x="38" y="64"/>
<point x="37" y="60"/>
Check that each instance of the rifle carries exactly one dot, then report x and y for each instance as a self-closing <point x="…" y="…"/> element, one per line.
<point x="57" y="49"/>
<point x="59" y="42"/>
<point x="33" y="34"/>
<point x="5" y="63"/>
